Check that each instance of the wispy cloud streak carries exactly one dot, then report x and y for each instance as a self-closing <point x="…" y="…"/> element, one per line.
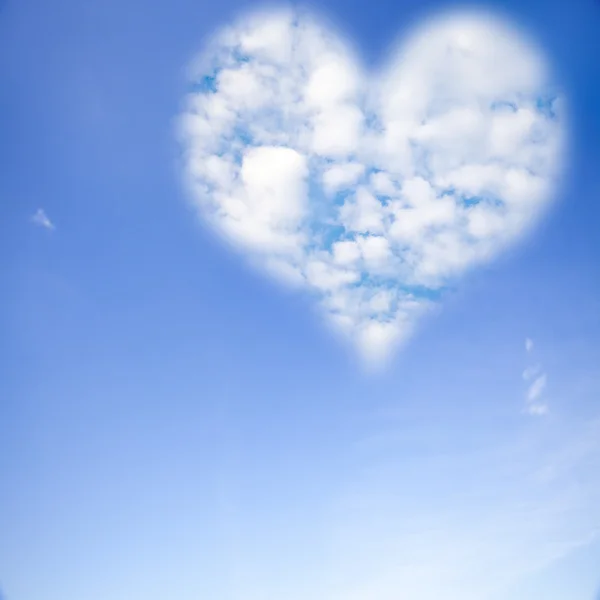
<point x="41" y="219"/>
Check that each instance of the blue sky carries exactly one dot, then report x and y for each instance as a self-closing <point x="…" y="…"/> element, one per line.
<point x="176" y="424"/>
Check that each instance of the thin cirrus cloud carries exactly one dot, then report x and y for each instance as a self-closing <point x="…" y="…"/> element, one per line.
<point x="536" y="380"/>
<point x="41" y="219"/>
<point x="372" y="193"/>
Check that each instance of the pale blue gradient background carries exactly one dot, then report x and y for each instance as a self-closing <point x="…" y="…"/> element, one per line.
<point x="171" y="424"/>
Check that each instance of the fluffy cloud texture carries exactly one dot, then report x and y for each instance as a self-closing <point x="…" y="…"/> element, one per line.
<point x="374" y="193"/>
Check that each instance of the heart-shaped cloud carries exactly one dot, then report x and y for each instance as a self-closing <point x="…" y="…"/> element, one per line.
<point x="373" y="193"/>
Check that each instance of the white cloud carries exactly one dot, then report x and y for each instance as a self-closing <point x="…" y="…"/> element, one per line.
<point x="352" y="186"/>
<point x="362" y="213"/>
<point x="332" y="83"/>
<point x="327" y="277"/>
<point x="536" y="388"/>
<point x="537" y="409"/>
<point x="530" y="372"/>
<point x="346" y="252"/>
<point x="41" y="219"/>
<point x="376" y="337"/>
<point x="342" y="176"/>
<point x="273" y="179"/>
<point x="375" y="250"/>
<point x="336" y="131"/>
<point x="383" y="184"/>
<point x="536" y="380"/>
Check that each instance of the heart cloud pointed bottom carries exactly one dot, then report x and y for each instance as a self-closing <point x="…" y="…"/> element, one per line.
<point x="372" y="192"/>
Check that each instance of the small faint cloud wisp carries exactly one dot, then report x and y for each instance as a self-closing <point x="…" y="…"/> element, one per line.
<point x="41" y="219"/>
<point x="373" y="193"/>
<point x="536" y="380"/>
